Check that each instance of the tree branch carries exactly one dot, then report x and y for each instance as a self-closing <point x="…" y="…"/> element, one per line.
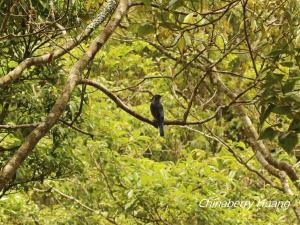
<point x="18" y="126"/>
<point x="43" y="59"/>
<point x="135" y="114"/>
<point x="34" y="137"/>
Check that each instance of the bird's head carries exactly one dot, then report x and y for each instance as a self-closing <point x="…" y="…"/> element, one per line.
<point x="156" y="98"/>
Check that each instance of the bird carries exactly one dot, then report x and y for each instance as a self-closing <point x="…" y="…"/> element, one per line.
<point x="157" y="111"/>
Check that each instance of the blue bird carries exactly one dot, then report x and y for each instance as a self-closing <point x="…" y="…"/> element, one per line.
<point x="157" y="111"/>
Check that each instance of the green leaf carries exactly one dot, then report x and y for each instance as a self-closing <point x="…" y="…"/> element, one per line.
<point x="292" y="97"/>
<point x="130" y="194"/>
<point x="288" y="140"/>
<point x="297" y="57"/>
<point x="187" y="39"/>
<point x="146" y="29"/>
<point x="295" y="125"/>
<point x="220" y="43"/>
<point x="189" y="18"/>
<point x="289" y="85"/>
<point x="287" y="63"/>
<point x="147" y="3"/>
<point x="276" y="76"/>
<point x="12" y="64"/>
<point x="282" y="110"/>
<point x="130" y="205"/>
<point x="73" y="108"/>
<point x="277" y="52"/>
<point x="174" y="4"/>
<point x="268" y="133"/>
<point x="297" y="41"/>
<point x="181" y="45"/>
<point x="264" y="115"/>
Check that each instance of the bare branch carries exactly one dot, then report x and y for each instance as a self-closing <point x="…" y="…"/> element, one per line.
<point x="248" y="39"/>
<point x="17" y="71"/>
<point x="135" y="114"/>
<point x="82" y="204"/>
<point x="18" y="126"/>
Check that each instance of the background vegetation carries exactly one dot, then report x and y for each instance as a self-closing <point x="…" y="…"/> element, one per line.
<point x="78" y="144"/>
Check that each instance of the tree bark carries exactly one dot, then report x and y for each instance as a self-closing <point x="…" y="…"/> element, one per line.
<point x="34" y="137"/>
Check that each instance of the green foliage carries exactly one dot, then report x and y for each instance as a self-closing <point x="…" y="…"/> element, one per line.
<point x="100" y="165"/>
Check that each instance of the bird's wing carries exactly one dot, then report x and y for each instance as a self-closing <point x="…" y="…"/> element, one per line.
<point x="161" y="112"/>
<point x="153" y="111"/>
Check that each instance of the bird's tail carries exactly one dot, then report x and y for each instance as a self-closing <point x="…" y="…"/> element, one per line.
<point x="161" y="129"/>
